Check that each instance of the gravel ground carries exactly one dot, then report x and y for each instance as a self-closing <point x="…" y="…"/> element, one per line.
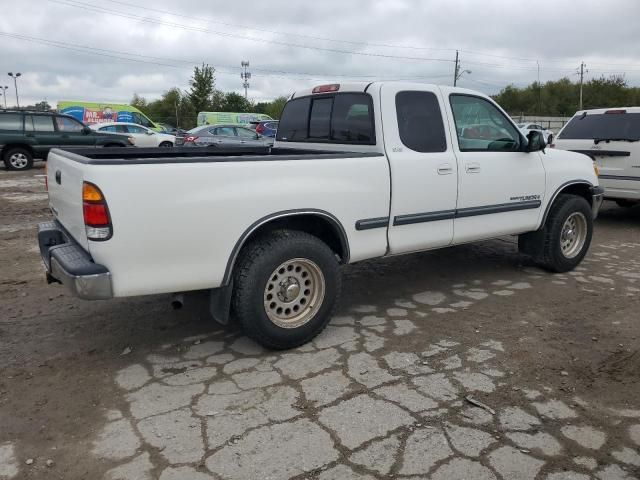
<point x="467" y="362"/>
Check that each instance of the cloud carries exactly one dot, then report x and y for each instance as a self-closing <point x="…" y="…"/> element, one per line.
<point x="295" y="44"/>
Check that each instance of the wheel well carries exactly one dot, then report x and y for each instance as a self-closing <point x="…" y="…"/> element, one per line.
<point x="9" y="146"/>
<point x="321" y="225"/>
<point x="580" y="189"/>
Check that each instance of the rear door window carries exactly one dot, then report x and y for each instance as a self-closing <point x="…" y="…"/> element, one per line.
<point x="225" y="131"/>
<point x="345" y="118"/>
<point x="42" y="123"/>
<point x="420" y="121"/>
<point x="10" y="121"/>
<point x="602" y="125"/>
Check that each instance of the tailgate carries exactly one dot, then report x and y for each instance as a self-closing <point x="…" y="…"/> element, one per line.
<point x="65" y="177"/>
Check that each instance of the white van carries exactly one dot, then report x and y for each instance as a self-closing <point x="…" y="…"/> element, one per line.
<point x="611" y="136"/>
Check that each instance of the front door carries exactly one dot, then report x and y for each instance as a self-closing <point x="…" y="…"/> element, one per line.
<point x="71" y="132"/>
<point x="500" y="186"/>
<point x="423" y="169"/>
<point x="248" y="138"/>
<point x="144" y="137"/>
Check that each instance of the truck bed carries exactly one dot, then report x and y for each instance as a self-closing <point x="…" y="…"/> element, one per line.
<point x="129" y="156"/>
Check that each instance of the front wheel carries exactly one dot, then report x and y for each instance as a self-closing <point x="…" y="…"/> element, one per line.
<point x="565" y="238"/>
<point x="18" y="159"/>
<point x="285" y="288"/>
<point x="166" y="144"/>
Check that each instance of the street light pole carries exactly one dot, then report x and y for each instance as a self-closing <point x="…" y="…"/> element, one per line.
<point x="15" y="83"/>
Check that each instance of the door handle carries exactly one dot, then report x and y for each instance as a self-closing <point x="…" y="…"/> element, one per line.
<point x="445" y="169"/>
<point x="472" y="167"/>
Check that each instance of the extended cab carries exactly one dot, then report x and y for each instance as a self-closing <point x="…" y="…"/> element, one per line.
<point x="358" y="171"/>
<point x="26" y="135"/>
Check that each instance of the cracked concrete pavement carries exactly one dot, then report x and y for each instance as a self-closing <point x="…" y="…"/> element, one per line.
<point x="396" y="387"/>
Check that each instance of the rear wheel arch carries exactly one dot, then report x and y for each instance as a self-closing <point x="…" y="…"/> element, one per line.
<point x="319" y="223"/>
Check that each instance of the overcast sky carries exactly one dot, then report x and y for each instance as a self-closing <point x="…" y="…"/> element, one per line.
<point x="107" y="50"/>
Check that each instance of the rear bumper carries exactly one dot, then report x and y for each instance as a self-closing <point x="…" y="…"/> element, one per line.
<point x="598" y="197"/>
<point x="68" y="263"/>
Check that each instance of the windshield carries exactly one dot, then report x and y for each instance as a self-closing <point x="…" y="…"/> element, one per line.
<point x="603" y="125"/>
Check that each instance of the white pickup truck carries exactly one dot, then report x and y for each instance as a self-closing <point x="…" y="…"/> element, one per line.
<point x="358" y="171"/>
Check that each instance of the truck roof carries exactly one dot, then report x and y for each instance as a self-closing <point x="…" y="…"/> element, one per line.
<point x="369" y="86"/>
<point x="610" y="110"/>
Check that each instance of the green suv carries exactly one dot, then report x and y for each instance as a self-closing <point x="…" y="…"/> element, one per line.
<point x="26" y="135"/>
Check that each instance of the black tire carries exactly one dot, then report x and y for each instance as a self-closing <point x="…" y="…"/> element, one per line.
<point x="18" y="159"/>
<point x="166" y="144"/>
<point x="256" y="265"/>
<point x="545" y="245"/>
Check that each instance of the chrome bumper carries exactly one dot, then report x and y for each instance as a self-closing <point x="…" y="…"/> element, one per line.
<point x="68" y="263"/>
<point x="598" y="198"/>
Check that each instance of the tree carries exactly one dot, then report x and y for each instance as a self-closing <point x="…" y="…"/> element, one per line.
<point x="203" y="88"/>
<point x="234" y="102"/>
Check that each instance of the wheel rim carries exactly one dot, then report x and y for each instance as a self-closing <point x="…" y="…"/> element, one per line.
<point x="294" y="293"/>
<point x="18" y="160"/>
<point x="574" y="235"/>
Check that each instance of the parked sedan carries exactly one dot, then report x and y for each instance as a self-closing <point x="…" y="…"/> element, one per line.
<point x="143" y="136"/>
<point x="534" y="127"/>
<point x="227" y="136"/>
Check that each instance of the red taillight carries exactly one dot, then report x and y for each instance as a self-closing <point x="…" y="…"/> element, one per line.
<point x="259" y="128"/>
<point x="190" y="139"/>
<point x="334" y="87"/>
<point x="616" y="112"/>
<point x="96" y="213"/>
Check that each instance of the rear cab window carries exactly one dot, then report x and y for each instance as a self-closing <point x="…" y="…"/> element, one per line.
<point x="590" y="126"/>
<point x="343" y="118"/>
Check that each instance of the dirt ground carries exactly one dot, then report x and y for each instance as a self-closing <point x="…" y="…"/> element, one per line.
<point x="115" y="389"/>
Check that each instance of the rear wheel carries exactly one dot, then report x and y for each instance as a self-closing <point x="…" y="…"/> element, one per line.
<point x="565" y="238"/>
<point x="166" y="144"/>
<point x="18" y="159"/>
<point x="285" y="288"/>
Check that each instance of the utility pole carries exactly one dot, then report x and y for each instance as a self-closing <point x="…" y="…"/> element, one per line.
<point x="15" y="83"/>
<point x="455" y="70"/>
<point x="582" y="72"/>
<point x="457" y="73"/>
<point x="245" y="76"/>
<point x="539" y="90"/>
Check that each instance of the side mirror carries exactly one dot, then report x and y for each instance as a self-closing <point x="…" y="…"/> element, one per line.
<point x="535" y="141"/>
<point x="86" y="130"/>
<point x="257" y="136"/>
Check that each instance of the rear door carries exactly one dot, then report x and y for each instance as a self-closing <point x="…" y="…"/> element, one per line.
<point x="500" y="187"/>
<point x="225" y="137"/>
<point x="41" y="132"/>
<point x="424" y="172"/>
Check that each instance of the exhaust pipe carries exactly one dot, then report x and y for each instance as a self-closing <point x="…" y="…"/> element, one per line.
<point x="177" y="302"/>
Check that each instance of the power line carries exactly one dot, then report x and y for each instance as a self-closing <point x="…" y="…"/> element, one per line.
<point x="89" y="7"/>
<point x="164" y="61"/>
